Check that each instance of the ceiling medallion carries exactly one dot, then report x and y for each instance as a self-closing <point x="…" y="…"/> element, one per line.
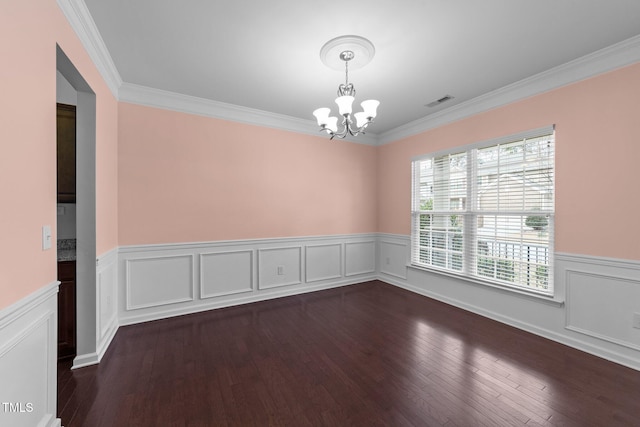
<point x="354" y="52"/>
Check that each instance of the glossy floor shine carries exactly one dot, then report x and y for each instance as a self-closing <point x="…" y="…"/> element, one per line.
<point x="363" y="355"/>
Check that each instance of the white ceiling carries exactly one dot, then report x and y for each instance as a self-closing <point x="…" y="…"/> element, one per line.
<point x="265" y="54"/>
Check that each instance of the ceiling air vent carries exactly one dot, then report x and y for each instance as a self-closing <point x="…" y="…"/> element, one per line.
<point x="440" y="101"/>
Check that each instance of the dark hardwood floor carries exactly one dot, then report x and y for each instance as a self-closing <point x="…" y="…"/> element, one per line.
<point x="363" y="355"/>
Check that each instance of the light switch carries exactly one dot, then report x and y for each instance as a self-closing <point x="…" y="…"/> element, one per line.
<point x="46" y="237"/>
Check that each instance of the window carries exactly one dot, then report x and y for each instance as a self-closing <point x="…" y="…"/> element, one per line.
<point x="486" y="211"/>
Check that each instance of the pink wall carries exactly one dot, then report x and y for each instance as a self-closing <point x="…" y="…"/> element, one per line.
<point x="167" y="177"/>
<point x="597" y="151"/>
<point x="187" y="178"/>
<point x="29" y="31"/>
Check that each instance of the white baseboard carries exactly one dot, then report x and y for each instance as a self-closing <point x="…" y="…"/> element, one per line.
<point x="83" y="360"/>
<point x="600" y="297"/>
<point x="106" y="304"/>
<point x="106" y="316"/>
<point x="50" y="421"/>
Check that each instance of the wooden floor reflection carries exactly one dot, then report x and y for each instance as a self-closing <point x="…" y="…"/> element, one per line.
<point x="363" y="355"/>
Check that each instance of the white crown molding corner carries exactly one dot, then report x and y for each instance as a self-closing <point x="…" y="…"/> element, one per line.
<point x="604" y="60"/>
<point x="157" y="98"/>
<point x="83" y="25"/>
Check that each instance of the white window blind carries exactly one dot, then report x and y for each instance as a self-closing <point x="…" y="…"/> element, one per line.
<point x="486" y="212"/>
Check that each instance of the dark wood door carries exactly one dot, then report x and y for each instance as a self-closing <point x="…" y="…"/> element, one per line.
<point x="67" y="309"/>
<point x="66" y="153"/>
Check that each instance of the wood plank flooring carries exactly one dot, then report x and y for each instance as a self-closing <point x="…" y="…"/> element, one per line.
<point x="364" y="355"/>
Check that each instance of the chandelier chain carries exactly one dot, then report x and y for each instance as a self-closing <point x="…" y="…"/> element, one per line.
<point x="346" y="73"/>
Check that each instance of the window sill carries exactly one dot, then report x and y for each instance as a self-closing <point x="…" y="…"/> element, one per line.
<point x="549" y="299"/>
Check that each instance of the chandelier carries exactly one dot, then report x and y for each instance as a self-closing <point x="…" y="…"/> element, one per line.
<point x="357" y="51"/>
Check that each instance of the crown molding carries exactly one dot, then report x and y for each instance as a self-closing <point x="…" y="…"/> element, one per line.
<point x="85" y="28"/>
<point x="150" y="97"/>
<point x="610" y="58"/>
<point x="82" y="23"/>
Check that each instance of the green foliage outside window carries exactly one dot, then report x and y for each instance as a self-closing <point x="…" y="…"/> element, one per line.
<point x="502" y="269"/>
<point x="542" y="276"/>
<point x="537" y="222"/>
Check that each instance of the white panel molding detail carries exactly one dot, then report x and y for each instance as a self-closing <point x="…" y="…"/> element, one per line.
<point x="229" y="245"/>
<point x="616" y="56"/>
<point x="602" y="296"/>
<point x="628" y="268"/>
<point x="393" y="255"/>
<point x="230" y="272"/>
<point x="84" y="26"/>
<point x="275" y="266"/>
<point x="323" y="262"/>
<point x="360" y="258"/>
<point x="158" y="283"/>
<point x="599" y="318"/>
<point x="302" y="271"/>
<point x="106" y="301"/>
<point x="28" y="359"/>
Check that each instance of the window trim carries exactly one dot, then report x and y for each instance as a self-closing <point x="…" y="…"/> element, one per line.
<point x="555" y="299"/>
<point x="471" y="212"/>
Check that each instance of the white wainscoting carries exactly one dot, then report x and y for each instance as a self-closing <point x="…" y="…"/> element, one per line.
<point x="393" y="255"/>
<point x="106" y="294"/>
<point x="226" y="273"/>
<point x="279" y="267"/>
<point x="323" y="262"/>
<point x="602" y="297"/>
<point x="158" y="281"/>
<point x="593" y="309"/>
<point x="360" y="257"/>
<point x="28" y="354"/>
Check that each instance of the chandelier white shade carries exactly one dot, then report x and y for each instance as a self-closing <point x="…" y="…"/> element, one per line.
<point x="347" y="49"/>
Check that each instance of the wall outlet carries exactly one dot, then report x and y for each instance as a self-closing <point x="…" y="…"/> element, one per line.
<point x="636" y="320"/>
<point x="281" y="270"/>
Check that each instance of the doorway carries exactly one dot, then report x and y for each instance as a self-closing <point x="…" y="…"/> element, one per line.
<point x="85" y="210"/>
<point x="66" y="216"/>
